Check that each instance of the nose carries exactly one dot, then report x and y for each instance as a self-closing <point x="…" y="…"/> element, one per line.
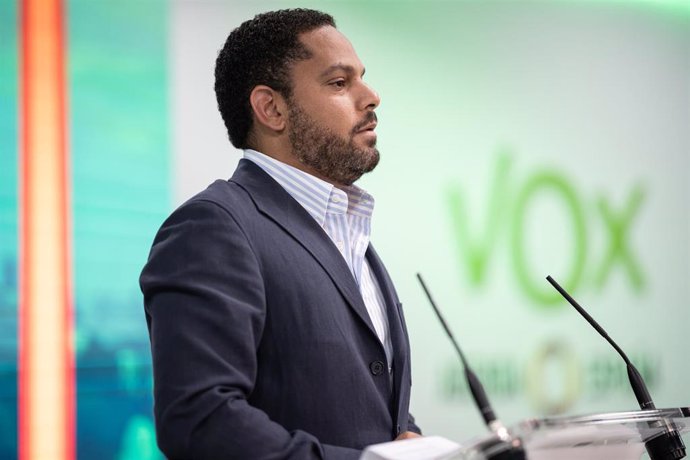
<point x="370" y="98"/>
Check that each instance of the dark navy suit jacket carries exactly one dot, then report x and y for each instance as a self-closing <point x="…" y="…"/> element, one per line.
<point x="262" y="346"/>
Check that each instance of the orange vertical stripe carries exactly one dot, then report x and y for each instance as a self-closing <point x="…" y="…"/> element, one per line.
<point x="46" y="359"/>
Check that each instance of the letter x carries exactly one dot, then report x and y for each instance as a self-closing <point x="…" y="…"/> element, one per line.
<point x="618" y="228"/>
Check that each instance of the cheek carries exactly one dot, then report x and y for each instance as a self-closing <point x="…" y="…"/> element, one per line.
<point x="339" y="122"/>
<point x="344" y="118"/>
<point x="335" y="113"/>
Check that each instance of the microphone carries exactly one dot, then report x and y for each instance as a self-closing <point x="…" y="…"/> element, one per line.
<point x="669" y="445"/>
<point x="511" y="449"/>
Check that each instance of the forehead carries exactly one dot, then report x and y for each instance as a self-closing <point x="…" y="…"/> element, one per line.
<point x="328" y="47"/>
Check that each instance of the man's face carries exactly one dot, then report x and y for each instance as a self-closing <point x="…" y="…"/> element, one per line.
<point x="331" y="118"/>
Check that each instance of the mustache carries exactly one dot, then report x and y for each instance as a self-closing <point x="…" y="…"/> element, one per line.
<point x="370" y="117"/>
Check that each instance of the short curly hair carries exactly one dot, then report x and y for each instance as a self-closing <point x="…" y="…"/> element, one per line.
<point x="260" y="52"/>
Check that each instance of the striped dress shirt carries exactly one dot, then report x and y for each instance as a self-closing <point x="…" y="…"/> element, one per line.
<point x="345" y="216"/>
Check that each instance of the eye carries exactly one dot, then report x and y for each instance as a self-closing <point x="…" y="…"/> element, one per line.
<point x="340" y="83"/>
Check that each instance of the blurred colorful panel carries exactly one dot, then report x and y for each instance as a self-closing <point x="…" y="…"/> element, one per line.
<point x="8" y="229"/>
<point x="118" y="53"/>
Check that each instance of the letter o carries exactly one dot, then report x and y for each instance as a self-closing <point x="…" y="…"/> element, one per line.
<point x="548" y="181"/>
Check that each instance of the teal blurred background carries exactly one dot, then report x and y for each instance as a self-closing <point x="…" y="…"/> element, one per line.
<point x="518" y="139"/>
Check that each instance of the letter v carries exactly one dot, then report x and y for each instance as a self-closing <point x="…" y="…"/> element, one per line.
<point x="475" y="252"/>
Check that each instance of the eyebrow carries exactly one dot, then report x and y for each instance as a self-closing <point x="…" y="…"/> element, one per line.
<point x="343" y="67"/>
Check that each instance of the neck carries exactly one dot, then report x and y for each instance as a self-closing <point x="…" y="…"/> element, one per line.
<point x="286" y="155"/>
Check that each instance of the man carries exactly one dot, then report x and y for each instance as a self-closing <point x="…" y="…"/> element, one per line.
<point x="275" y="329"/>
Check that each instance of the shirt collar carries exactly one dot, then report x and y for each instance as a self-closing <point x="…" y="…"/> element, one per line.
<point x="315" y="195"/>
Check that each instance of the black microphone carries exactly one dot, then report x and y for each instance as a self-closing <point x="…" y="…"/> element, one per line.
<point x="669" y="445"/>
<point x="512" y="447"/>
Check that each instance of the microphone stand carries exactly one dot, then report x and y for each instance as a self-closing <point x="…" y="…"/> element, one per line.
<point x="505" y="447"/>
<point x="667" y="446"/>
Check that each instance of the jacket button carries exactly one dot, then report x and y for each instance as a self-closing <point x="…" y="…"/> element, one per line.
<point x="376" y="367"/>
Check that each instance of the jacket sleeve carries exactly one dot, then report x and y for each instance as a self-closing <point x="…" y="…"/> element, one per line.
<point x="412" y="425"/>
<point x="205" y="309"/>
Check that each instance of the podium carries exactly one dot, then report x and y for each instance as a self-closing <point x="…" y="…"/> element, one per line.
<point x="615" y="435"/>
<point x="609" y="436"/>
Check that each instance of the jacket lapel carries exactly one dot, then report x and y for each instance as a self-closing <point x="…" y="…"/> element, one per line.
<point x="273" y="201"/>
<point x="395" y="326"/>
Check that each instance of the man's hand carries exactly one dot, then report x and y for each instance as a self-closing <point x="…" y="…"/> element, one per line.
<point x="408" y="435"/>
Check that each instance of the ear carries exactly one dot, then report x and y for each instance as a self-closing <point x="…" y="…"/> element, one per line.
<point x="269" y="107"/>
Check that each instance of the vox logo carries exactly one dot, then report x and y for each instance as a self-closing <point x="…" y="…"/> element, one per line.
<point x="505" y="218"/>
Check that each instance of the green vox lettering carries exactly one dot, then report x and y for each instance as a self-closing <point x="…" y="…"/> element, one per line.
<point x="479" y="238"/>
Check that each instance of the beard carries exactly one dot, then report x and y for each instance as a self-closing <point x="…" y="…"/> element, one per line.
<point x="335" y="158"/>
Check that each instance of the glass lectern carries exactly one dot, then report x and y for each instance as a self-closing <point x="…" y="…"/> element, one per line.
<point x="615" y="435"/>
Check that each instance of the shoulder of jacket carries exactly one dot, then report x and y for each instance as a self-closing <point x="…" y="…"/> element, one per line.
<point x="226" y="195"/>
